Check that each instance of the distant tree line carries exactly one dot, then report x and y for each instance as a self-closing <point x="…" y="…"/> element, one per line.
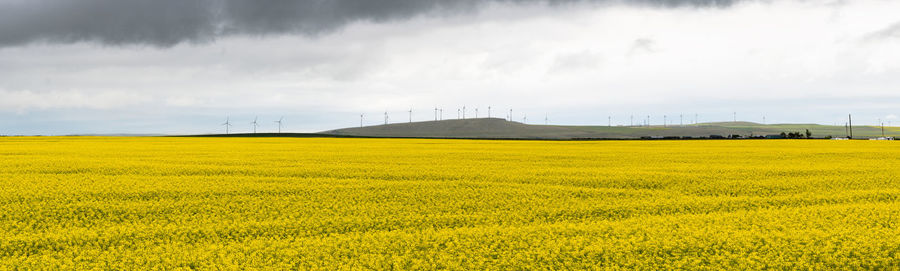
<point x="797" y="135"/>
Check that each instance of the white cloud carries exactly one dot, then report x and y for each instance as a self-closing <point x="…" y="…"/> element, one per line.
<point x="25" y="100"/>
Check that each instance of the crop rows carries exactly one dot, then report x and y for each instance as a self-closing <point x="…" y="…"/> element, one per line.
<point x="280" y="203"/>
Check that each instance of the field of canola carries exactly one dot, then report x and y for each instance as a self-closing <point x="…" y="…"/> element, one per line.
<point x="281" y="203"/>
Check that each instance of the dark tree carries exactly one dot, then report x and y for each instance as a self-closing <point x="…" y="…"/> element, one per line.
<point x="794" y="135"/>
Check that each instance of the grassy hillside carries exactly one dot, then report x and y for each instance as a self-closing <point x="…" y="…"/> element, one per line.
<point x="500" y="128"/>
<point x="817" y="130"/>
<point x="467" y="128"/>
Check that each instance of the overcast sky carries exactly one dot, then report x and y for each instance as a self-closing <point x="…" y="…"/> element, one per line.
<point x="182" y="66"/>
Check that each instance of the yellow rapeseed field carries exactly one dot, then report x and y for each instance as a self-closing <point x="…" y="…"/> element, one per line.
<point x="283" y="203"/>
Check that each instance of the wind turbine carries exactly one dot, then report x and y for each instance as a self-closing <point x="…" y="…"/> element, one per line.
<point x="385" y="117"/>
<point x="279" y="123"/>
<point x="464" y="112"/>
<point x="227" y="124"/>
<point x="255" y="124"/>
<point x="441" y="110"/>
<point x="361" y="120"/>
<point x="476" y="112"/>
<point x="435" y="113"/>
<point x="410" y="115"/>
<point x="489" y="112"/>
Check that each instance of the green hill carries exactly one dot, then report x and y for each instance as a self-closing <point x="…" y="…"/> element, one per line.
<point x="500" y="128"/>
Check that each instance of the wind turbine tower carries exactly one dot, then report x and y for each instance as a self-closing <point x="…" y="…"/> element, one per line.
<point x="227" y="124"/>
<point x="361" y="120"/>
<point x="489" y="112"/>
<point x="410" y="115"/>
<point x="476" y="112"/>
<point x="255" y="124"/>
<point x="385" y="117"/>
<point x="282" y="118"/>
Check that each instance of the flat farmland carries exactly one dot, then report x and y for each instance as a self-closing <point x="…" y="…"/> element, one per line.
<point x="341" y="203"/>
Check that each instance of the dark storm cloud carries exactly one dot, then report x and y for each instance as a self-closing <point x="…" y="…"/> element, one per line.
<point x="168" y="22"/>
<point x="156" y="22"/>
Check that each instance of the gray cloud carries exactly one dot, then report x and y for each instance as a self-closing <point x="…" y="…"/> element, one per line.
<point x="164" y="23"/>
<point x="892" y="31"/>
<point x="642" y="45"/>
<point x="114" y="22"/>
